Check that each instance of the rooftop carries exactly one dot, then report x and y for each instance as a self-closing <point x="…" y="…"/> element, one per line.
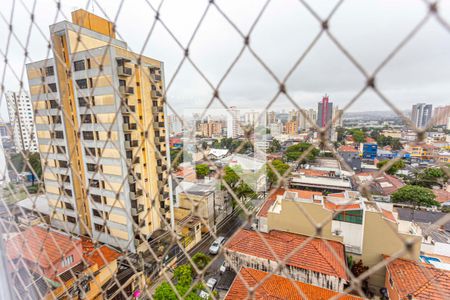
<point x="40" y="245"/>
<point x="314" y="255"/>
<point x="347" y="148"/>
<point x="276" y="287"/>
<point x="421" y="281"/>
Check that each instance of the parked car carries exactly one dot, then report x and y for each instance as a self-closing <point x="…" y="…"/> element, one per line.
<point x="214" y="249"/>
<point x="211" y="283"/>
<point x="223" y="268"/>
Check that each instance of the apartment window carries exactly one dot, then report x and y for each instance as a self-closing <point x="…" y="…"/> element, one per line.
<point x="83" y="101"/>
<point x="86" y="119"/>
<point x="53" y="104"/>
<point x="95" y="183"/>
<point x="90" y="151"/>
<point x="122" y="82"/>
<point x="68" y="205"/>
<point x="52" y="87"/>
<point x="88" y="63"/>
<point x="61" y="149"/>
<point x="101" y="228"/>
<point x="58" y="134"/>
<point x="79" y="65"/>
<point x="100" y="214"/>
<point x="96" y="198"/>
<point x="62" y="163"/>
<point x="91" y="167"/>
<point x="49" y="71"/>
<point x="68" y="192"/>
<point x="71" y="219"/>
<point x="82" y="83"/>
<point x="56" y="119"/>
<point x="66" y="261"/>
<point x="88" y="135"/>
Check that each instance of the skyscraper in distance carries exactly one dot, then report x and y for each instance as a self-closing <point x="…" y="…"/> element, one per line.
<point x="21" y="117"/>
<point x="421" y="114"/>
<point x="100" y="124"/>
<point x="325" y="114"/>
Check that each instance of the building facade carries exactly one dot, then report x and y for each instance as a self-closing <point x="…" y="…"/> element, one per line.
<point x="421" y="114"/>
<point x="442" y="115"/>
<point x="106" y="145"/>
<point x="21" y="117"/>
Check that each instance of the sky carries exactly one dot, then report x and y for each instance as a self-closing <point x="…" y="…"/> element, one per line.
<point x="369" y="30"/>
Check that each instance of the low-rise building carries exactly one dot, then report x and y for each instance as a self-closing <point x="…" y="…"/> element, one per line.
<point x="380" y="183"/>
<point x="270" y="286"/>
<point x="301" y="180"/>
<point x="407" y="279"/>
<point x="58" y="265"/>
<point x="367" y="229"/>
<point x="307" y="260"/>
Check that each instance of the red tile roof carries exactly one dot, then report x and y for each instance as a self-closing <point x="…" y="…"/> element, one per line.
<point x="99" y="256"/>
<point x="311" y="172"/>
<point x="347" y="148"/>
<point x="280" y="191"/>
<point x="314" y="255"/>
<point x="422" y="281"/>
<point x="39" y="245"/>
<point x="442" y="195"/>
<point x="349" y="206"/>
<point x="277" y="287"/>
<point x="389" y="215"/>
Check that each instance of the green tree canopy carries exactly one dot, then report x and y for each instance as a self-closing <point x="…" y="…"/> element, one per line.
<point x="415" y="195"/>
<point x="183" y="278"/>
<point x="295" y="151"/>
<point x="202" y="170"/>
<point x="358" y="135"/>
<point x="280" y="167"/>
<point x="398" y="165"/>
<point x="274" y="146"/>
<point x="201" y="260"/>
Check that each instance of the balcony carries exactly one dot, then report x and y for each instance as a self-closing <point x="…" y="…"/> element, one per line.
<point x="157" y="109"/>
<point x="136" y="211"/>
<point x="156" y="94"/>
<point x="124" y="71"/>
<point x="129" y="126"/>
<point x="126" y="90"/>
<point x="131" y="179"/>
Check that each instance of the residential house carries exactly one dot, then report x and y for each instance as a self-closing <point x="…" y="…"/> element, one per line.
<point x="311" y="261"/>
<point x="270" y="286"/>
<point x="379" y="183"/>
<point x="407" y="279"/>
<point x="367" y="229"/>
<point x="64" y="266"/>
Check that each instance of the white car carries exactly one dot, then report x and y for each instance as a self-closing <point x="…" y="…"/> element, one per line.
<point x="211" y="283"/>
<point x="223" y="268"/>
<point x="214" y="249"/>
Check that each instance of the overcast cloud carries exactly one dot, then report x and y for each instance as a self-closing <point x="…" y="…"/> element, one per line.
<point x="369" y="30"/>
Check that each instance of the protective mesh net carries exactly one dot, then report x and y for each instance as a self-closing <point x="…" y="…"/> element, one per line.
<point x="106" y="174"/>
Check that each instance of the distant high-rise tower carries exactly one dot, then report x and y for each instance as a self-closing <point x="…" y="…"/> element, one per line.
<point x="22" y="121"/>
<point x="100" y="124"/>
<point x="325" y="114"/>
<point x="441" y="115"/>
<point x="421" y="114"/>
<point x="233" y="123"/>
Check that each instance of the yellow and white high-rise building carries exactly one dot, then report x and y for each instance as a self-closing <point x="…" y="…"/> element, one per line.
<point x="100" y="124"/>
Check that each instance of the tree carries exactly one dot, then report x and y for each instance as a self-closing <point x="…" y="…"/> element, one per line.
<point x="280" y="167"/>
<point x="430" y="177"/>
<point x="231" y="176"/>
<point x="201" y="260"/>
<point x="202" y="170"/>
<point x="358" y="135"/>
<point x="415" y="195"/>
<point x="396" y="166"/>
<point x="275" y="146"/>
<point x="176" y="160"/>
<point x="183" y="277"/>
<point x="295" y="151"/>
<point x="18" y="160"/>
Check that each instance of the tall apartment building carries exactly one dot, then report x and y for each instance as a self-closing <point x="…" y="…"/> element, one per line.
<point x="271" y="117"/>
<point x="442" y="115"/>
<point x="210" y="128"/>
<point x="175" y="124"/>
<point x="291" y="127"/>
<point x="233" y="123"/>
<point x="421" y="114"/>
<point x="325" y="114"/>
<point x="21" y="117"/>
<point x="100" y="121"/>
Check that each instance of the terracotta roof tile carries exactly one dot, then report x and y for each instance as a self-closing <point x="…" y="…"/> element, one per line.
<point x="99" y="256"/>
<point x="315" y="255"/>
<point x="389" y="215"/>
<point x="38" y="245"/>
<point x="442" y="195"/>
<point x="347" y="148"/>
<point x="422" y="281"/>
<point x="277" y="287"/>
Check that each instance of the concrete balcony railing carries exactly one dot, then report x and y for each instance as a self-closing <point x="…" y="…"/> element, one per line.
<point x="126" y="90"/>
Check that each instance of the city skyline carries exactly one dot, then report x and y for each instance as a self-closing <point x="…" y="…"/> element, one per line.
<point x="399" y="80"/>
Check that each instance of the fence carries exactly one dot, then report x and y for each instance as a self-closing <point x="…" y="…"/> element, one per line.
<point x="89" y="193"/>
